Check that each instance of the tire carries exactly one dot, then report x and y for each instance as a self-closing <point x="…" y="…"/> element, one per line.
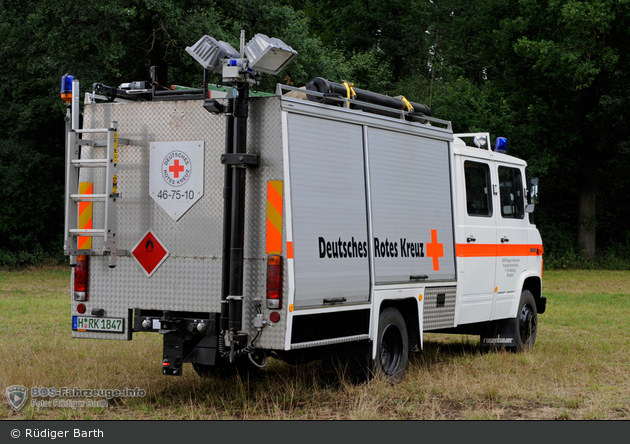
<point x="392" y="352"/>
<point x="223" y="369"/>
<point x="220" y="370"/>
<point x="526" y="322"/>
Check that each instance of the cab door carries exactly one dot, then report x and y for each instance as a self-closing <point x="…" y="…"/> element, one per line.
<point x="512" y="242"/>
<point x="477" y="240"/>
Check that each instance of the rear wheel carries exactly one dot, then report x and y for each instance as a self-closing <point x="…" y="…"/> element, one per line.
<point x="392" y="354"/>
<point x="222" y="369"/>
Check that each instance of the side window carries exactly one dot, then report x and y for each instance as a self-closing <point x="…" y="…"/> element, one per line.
<point x="478" y="189"/>
<point x="511" y="193"/>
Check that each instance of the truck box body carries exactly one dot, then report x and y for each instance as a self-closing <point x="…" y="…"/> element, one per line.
<point x="362" y="208"/>
<point x="334" y="165"/>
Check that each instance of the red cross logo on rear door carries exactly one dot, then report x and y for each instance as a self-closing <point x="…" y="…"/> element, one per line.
<point x="176" y="168"/>
<point x="435" y="250"/>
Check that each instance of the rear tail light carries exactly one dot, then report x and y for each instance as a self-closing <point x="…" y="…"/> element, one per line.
<point x="274" y="281"/>
<point x="81" y="279"/>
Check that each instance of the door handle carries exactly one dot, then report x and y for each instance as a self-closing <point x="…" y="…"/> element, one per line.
<point x="471" y="239"/>
<point x="334" y="301"/>
<point x="504" y="239"/>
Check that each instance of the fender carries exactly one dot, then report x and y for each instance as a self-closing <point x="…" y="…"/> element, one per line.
<point x="520" y="286"/>
<point x="403" y="299"/>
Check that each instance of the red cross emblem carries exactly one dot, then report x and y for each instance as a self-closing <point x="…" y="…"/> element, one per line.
<point x="435" y="250"/>
<point x="176" y="168"/>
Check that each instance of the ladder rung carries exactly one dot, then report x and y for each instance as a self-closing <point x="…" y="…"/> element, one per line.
<point x="103" y="142"/>
<point x="89" y="163"/>
<point x="84" y="231"/>
<point x="98" y="130"/>
<point x="89" y="197"/>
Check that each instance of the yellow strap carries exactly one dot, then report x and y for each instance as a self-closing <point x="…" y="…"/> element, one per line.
<point x="407" y="104"/>
<point x="350" y="91"/>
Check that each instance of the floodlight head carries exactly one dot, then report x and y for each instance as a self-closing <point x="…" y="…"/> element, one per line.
<point x="268" y="55"/>
<point x="209" y="53"/>
<point x="480" y="141"/>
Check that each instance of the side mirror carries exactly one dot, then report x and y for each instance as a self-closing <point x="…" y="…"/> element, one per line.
<point x="532" y="195"/>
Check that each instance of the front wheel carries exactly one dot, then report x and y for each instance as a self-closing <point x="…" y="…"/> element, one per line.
<point x="392" y="353"/>
<point x="526" y="322"/>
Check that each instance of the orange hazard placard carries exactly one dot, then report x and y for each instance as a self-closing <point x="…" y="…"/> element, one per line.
<point x="85" y="216"/>
<point x="274" y="217"/>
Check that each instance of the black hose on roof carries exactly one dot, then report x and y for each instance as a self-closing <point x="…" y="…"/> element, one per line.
<point x="324" y="86"/>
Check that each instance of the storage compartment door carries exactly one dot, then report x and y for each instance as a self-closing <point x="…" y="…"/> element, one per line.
<point x="329" y="218"/>
<point x="411" y="208"/>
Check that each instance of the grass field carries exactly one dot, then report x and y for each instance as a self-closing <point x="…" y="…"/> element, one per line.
<point x="579" y="368"/>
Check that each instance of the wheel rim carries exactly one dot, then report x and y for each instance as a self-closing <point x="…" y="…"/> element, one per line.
<point x="391" y="349"/>
<point x="528" y="324"/>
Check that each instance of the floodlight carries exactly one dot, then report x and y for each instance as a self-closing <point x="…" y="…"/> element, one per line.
<point x="268" y="55"/>
<point x="481" y="141"/>
<point x="210" y="53"/>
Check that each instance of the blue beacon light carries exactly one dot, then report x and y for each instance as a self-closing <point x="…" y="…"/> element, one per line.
<point x="501" y="145"/>
<point x="66" y="87"/>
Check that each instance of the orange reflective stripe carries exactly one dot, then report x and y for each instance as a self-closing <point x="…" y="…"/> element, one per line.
<point x="497" y="250"/>
<point x="517" y="250"/>
<point x="274" y="217"/>
<point x="475" y="250"/>
<point x="85" y="216"/>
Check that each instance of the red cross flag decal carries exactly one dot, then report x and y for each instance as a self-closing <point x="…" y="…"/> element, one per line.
<point x="435" y="250"/>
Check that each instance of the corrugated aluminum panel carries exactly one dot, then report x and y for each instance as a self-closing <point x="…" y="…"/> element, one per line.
<point x="329" y="210"/>
<point x="190" y="278"/>
<point x="439" y="308"/>
<point x="411" y="207"/>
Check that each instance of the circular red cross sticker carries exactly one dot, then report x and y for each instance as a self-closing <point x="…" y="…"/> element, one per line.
<point x="176" y="168"/>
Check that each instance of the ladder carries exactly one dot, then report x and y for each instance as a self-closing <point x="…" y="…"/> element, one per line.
<point x="73" y="198"/>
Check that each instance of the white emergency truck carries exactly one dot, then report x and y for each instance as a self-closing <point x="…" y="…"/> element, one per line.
<point x="326" y="223"/>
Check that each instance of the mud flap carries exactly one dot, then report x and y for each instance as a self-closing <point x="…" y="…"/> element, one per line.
<point x="499" y="334"/>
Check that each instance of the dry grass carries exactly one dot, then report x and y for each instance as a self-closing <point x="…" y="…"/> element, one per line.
<point x="579" y="369"/>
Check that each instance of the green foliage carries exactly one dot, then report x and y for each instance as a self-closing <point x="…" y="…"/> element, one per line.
<point x="31" y="228"/>
<point x="549" y="75"/>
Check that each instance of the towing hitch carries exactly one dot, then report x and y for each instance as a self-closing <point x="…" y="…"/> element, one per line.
<point x="188" y="337"/>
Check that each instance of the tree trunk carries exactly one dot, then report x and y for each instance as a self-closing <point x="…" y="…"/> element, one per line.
<point x="586" y="235"/>
<point x="587" y="188"/>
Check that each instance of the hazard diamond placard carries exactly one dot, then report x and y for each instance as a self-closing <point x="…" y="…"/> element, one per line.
<point x="150" y="253"/>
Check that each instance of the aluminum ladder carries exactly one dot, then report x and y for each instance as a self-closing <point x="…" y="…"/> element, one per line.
<point x="74" y="164"/>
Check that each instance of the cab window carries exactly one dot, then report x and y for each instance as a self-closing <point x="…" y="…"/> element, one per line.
<point x="511" y="193"/>
<point x="478" y="189"/>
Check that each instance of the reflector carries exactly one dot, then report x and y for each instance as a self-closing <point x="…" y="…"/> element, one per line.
<point x="81" y="278"/>
<point x="274" y="281"/>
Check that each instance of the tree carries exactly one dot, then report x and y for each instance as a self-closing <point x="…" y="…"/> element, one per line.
<point x="553" y="76"/>
<point x="110" y="42"/>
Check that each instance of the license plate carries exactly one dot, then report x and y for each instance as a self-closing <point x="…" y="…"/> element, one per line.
<point x="87" y="323"/>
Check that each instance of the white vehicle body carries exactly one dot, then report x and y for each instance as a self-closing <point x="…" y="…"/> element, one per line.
<point x="369" y="214"/>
